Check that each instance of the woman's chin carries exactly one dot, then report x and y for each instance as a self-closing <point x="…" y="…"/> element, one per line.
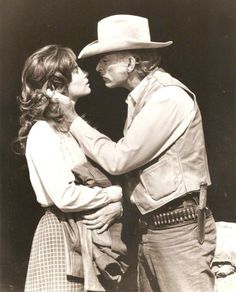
<point x="76" y="98"/>
<point x="87" y="92"/>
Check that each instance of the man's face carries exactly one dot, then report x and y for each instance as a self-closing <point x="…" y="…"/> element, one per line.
<point x="113" y="70"/>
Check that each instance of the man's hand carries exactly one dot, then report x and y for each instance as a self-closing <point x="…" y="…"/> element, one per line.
<point x="102" y="219"/>
<point x="67" y="106"/>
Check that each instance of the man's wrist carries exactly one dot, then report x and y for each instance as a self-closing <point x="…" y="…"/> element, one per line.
<point x="74" y="124"/>
<point x="72" y="117"/>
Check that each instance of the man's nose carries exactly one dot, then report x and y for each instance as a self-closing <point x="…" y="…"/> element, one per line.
<point x="98" y="67"/>
<point x="85" y="73"/>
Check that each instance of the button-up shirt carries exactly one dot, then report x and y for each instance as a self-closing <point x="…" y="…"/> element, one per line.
<point x="161" y="121"/>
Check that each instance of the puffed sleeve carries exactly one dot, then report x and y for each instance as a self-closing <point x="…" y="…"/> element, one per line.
<point x="52" y="179"/>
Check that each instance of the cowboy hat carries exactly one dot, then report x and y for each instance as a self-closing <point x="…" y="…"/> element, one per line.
<point x="119" y="33"/>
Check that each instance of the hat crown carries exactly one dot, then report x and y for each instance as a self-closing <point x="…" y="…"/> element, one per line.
<point x="120" y="33"/>
<point x="123" y="27"/>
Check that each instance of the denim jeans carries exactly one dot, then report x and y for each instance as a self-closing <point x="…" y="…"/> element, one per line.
<point x="172" y="260"/>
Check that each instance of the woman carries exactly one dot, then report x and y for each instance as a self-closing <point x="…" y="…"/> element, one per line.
<point x="52" y="155"/>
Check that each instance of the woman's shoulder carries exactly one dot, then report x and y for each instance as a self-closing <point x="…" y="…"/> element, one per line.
<point x="40" y="126"/>
<point x="42" y="131"/>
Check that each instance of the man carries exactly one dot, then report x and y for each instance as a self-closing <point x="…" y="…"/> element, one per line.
<point x="162" y="155"/>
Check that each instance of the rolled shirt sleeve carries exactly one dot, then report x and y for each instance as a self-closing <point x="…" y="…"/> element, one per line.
<point x="161" y="121"/>
<point x="52" y="179"/>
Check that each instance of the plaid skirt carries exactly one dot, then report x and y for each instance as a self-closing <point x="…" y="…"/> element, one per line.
<point x="46" y="269"/>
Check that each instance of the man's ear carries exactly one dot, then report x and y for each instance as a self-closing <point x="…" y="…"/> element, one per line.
<point x="131" y="64"/>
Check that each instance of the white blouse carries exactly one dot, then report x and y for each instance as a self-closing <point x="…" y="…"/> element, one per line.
<point x="51" y="156"/>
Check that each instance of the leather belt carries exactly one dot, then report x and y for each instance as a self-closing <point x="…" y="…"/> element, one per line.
<point x="181" y="211"/>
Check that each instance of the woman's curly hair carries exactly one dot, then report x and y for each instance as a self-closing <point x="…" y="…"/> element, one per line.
<point x="50" y="67"/>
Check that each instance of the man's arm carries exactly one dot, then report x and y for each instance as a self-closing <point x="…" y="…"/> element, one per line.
<point x="161" y="122"/>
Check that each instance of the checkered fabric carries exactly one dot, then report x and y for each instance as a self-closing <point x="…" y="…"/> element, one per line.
<point x="46" y="269"/>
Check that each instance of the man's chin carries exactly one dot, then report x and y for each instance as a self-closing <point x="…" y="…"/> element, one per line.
<point x="109" y="85"/>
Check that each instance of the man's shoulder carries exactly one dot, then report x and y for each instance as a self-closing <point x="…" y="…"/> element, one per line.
<point x="163" y="79"/>
<point x="169" y="90"/>
<point x="172" y="93"/>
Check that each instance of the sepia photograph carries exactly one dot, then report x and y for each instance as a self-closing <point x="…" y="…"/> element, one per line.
<point x="118" y="146"/>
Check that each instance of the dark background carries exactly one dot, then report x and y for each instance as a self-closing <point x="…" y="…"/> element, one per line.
<point x="203" y="57"/>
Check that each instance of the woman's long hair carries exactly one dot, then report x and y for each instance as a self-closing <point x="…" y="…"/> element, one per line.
<point x="50" y="67"/>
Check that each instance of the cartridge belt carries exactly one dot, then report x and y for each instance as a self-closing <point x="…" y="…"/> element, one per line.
<point x="173" y="214"/>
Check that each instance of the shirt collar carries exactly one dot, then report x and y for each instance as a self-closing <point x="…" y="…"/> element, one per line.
<point x="135" y="95"/>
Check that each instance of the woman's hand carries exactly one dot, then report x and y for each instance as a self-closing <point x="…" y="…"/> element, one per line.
<point x="102" y="219"/>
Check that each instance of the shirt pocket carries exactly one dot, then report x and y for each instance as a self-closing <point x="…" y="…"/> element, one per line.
<point x="160" y="179"/>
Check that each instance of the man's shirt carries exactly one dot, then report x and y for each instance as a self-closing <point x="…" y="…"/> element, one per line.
<point x="161" y="121"/>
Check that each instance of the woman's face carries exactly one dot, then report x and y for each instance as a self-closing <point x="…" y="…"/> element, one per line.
<point x="79" y="85"/>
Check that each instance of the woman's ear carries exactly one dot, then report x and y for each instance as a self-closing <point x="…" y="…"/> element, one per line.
<point x="131" y="64"/>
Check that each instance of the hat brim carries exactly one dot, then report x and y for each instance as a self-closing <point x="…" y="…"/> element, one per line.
<point x="97" y="48"/>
